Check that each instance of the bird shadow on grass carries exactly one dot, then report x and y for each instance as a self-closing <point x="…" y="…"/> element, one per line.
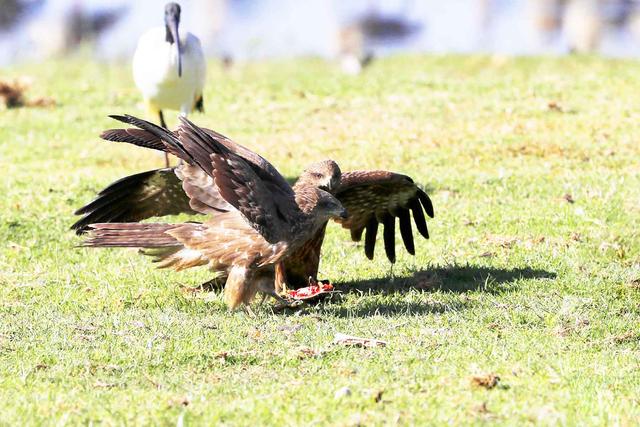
<point x="452" y="278"/>
<point x="457" y="279"/>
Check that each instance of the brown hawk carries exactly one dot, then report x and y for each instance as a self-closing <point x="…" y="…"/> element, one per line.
<point x="211" y="182"/>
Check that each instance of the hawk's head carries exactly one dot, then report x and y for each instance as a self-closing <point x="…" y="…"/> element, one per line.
<point x="324" y="175"/>
<point x="328" y="207"/>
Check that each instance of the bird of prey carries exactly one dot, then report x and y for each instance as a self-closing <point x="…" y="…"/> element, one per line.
<point x="169" y="69"/>
<point x="255" y="222"/>
<point x="370" y="198"/>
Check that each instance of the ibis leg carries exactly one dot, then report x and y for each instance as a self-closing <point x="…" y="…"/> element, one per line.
<point x="164" y="125"/>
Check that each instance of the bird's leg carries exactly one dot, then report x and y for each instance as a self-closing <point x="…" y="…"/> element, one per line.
<point x="267" y="288"/>
<point x="164" y="125"/>
<point x="263" y="297"/>
<point x="281" y="279"/>
<point x="249" y="311"/>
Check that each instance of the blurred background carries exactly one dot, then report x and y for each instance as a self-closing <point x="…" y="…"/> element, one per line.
<point x="237" y="30"/>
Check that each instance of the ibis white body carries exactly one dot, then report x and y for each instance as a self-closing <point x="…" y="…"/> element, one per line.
<point x="155" y="71"/>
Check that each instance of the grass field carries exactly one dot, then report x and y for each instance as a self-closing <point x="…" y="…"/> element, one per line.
<point x="532" y="272"/>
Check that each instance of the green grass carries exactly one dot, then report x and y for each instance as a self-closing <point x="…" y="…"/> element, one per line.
<point x="516" y="280"/>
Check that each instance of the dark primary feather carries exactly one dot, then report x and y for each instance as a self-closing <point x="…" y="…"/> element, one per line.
<point x="389" y="235"/>
<point x="356" y="234"/>
<point x="134" y="198"/>
<point x="373" y="197"/>
<point x="139" y="137"/>
<point x="170" y="142"/>
<point x="418" y="218"/>
<point x="159" y="193"/>
<point x="263" y="168"/>
<point x="200" y="146"/>
<point x="259" y="180"/>
<point x="426" y="202"/>
<point x="405" y="230"/>
<point x="235" y="180"/>
<point x="370" y="237"/>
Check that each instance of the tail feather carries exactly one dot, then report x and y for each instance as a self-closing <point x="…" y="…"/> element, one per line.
<point x="166" y="250"/>
<point x="131" y="235"/>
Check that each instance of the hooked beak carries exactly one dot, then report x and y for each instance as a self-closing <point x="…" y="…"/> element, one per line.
<point x="173" y="27"/>
<point x="329" y="186"/>
<point x="343" y="213"/>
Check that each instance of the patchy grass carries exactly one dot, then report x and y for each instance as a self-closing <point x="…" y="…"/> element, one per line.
<point x="524" y="307"/>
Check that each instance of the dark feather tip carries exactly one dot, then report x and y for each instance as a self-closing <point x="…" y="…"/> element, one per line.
<point x="426" y="202"/>
<point x="119" y="118"/>
<point x="389" y="235"/>
<point x="371" y="231"/>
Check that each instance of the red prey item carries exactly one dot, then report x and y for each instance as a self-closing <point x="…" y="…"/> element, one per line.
<point x="314" y="290"/>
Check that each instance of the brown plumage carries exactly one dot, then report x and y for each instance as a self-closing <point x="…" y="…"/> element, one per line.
<point x="371" y="198"/>
<point x="254" y="222"/>
<point x="252" y="207"/>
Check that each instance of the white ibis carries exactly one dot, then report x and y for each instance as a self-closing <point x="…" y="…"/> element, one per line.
<point x="170" y="69"/>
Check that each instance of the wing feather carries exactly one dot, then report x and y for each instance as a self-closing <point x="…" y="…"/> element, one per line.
<point x="237" y="183"/>
<point x="405" y="230"/>
<point x="148" y="139"/>
<point x="370" y="237"/>
<point x="418" y="218"/>
<point x="356" y="234"/>
<point x="158" y="192"/>
<point x="378" y="197"/>
<point x="133" y="136"/>
<point x="134" y="198"/>
<point x="389" y="235"/>
<point x="426" y="202"/>
<point x="244" y="181"/>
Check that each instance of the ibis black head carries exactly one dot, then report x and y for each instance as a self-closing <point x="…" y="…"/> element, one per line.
<point x="171" y="12"/>
<point x="172" y="21"/>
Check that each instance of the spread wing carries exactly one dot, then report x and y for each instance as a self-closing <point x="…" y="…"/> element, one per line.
<point x="379" y="197"/>
<point x="235" y="180"/>
<point x="168" y="191"/>
<point x="261" y="166"/>
<point x="135" y="198"/>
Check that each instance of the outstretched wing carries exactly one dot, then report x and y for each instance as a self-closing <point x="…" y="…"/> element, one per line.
<point x="261" y="166"/>
<point x="379" y="197"/>
<point x="135" y="198"/>
<point x="235" y="180"/>
<point x="184" y="189"/>
<point x="238" y="184"/>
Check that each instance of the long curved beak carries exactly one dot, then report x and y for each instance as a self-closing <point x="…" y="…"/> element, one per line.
<point x="173" y="27"/>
